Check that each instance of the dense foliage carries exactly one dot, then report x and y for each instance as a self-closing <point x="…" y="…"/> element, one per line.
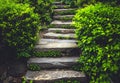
<point x="98" y="33"/>
<point x="81" y="3"/>
<point x="19" y="25"/>
<point x="42" y="7"/>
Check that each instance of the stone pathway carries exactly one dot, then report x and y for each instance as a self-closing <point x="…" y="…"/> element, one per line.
<point x="59" y="37"/>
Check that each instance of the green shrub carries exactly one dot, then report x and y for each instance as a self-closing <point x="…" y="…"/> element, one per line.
<point x="43" y="7"/>
<point x="19" y="26"/>
<point x="72" y="3"/>
<point x="78" y="3"/>
<point x="82" y="3"/>
<point x="98" y="32"/>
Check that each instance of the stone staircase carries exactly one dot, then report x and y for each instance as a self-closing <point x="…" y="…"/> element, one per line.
<point x="59" y="37"/>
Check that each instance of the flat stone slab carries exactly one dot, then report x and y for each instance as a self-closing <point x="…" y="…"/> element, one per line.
<point x="46" y="41"/>
<point x="61" y="30"/>
<point x="46" y="76"/>
<point x="61" y="22"/>
<point x="53" y="63"/>
<point x="57" y="3"/>
<point x="57" y="45"/>
<point x="63" y="16"/>
<point x="59" y="35"/>
<point x="59" y="10"/>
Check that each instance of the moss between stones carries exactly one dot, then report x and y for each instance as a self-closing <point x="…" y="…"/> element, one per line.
<point x="47" y="53"/>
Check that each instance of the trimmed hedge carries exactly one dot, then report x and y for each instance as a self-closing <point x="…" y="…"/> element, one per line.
<point x="19" y="26"/>
<point x="98" y="34"/>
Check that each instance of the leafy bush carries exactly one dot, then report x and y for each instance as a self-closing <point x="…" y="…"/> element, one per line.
<point x="82" y="3"/>
<point x="19" y="26"/>
<point x="43" y="7"/>
<point x="98" y="32"/>
<point x="79" y="3"/>
<point x="72" y="3"/>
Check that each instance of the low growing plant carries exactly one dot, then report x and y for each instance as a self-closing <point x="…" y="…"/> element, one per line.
<point x="34" y="67"/>
<point x="68" y="81"/>
<point x="47" y="53"/>
<point x="24" y="80"/>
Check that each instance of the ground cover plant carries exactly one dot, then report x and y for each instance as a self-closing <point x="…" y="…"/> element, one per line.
<point x="68" y="81"/>
<point x="98" y="34"/>
<point x="49" y="53"/>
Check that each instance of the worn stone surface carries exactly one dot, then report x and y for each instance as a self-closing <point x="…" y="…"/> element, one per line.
<point x="63" y="16"/>
<point x="48" y="63"/>
<point x="59" y="10"/>
<point x="61" y="22"/>
<point x="57" y="45"/>
<point x="46" y="76"/>
<point x="57" y="3"/>
<point x="61" y="30"/>
<point x="46" y="41"/>
<point x="59" y="35"/>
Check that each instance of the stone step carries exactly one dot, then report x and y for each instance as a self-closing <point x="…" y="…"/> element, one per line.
<point x="61" y="6"/>
<point x="56" y="52"/>
<point x="61" y="30"/>
<point x="52" y="76"/>
<point x="57" y="45"/>
<point x="59" y="10"/>
<point x="53" y="63"/>
<point x="67" y="26"/>
<point x="64" y="49"/>
<point x="46" y="41"/>
<point x="59" y="35"/>
<point x="64" y="11"/>
<point x="63" y="17"/>
<point x="57" y="3"/>
<point x="62" y="24"/>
